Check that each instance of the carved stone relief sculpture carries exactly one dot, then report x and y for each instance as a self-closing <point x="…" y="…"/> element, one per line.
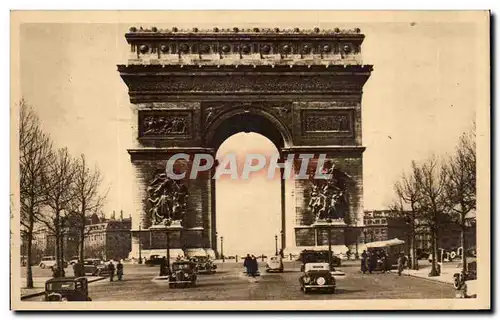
<point x="167" y="199"/>
<point x="164" y="125"/>
<point x="329" y="198"/>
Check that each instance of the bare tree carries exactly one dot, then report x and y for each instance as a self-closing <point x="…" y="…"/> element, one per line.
<point x="433" y="203"/>
<point x="461" y="185"/>
<point x="406" y="207"/>
<point x="59" y="195"/>
<point x="34" y="152"/>
<point x="87" y="197"/>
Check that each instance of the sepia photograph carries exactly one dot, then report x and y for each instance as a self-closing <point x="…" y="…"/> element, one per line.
<point x="250" y="160"/>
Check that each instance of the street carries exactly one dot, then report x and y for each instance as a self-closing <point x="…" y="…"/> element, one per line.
<point x="229" y="284"/>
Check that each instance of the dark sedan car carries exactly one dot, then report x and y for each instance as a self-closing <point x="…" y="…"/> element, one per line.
<point x="317" y="276"/>
<point x="154" y="260"/>
<point x="67" y="289"/>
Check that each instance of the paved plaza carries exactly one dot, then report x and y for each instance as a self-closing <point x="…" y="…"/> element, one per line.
<point x="230" y="284"/>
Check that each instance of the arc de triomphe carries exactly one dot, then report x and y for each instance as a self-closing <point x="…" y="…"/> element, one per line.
<point x="192" y="89"/>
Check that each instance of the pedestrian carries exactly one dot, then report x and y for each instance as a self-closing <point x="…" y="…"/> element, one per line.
<point x="372" y="261"/>
<point x="55" y="272"/>
<point x="163" y="267"/>
<point x="401" y="263"/>
<point x="254" y="266"/>
<point x="111" y="268"/>
<point x="364" y="256"/>
<point x="119" y="270"/>
<point x="247" y="264"/>
<point x="348" y="254"/>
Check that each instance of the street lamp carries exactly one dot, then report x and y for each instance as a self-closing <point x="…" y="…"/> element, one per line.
<point x="276" y="244"/>
<point x="140" y="252"/>
<point x="222" y="248"/>
<point x="329" y="221"/>
<point x="282" y="244"/>
<point x="167" y="224"/>
<point x="216" y="240"/>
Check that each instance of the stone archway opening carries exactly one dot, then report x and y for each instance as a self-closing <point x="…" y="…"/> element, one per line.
<point x="248" y="211"/>
<point x="261" y="133"/>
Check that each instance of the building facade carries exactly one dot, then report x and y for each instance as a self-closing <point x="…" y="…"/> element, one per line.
<point x="381" y="225"/>
<point x="109" y="238"/>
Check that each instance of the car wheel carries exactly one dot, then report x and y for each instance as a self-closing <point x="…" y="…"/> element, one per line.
<point x="456" y="282"/>
<point x="281" y="270"/>
<point x="42" y="266"/>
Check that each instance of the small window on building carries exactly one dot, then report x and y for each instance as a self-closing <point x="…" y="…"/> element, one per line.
<point x="383" y="221"/>
<point x="377" y="221"/>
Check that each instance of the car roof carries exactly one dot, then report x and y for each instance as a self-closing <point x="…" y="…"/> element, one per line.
<point x="66" y="279"/>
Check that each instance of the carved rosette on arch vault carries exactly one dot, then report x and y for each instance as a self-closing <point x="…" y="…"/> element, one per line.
<point x="302" y="89"/>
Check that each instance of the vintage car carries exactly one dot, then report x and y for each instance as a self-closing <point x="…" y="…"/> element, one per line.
<point x="204" y="264"/>
<point x="390" y="249"/>
<point x="95" y="267"/>
<point x="67" y="289"/>
<point x="183" y="274"/>
<point x="317" y="276"/>
<point x="154" y="260"/>
<point x="274" y="264"/>
<point x="316" y="256"/>
<point x="459" y="278"/>
<point x="50" y="262"/>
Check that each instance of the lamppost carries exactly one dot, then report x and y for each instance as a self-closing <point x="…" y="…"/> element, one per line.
<point x="216" y="240"/>
<point x="222" y="248"/>
<point x="329" y="221"/>
<point x="167" y="224"/>
<point x="276" y="244"/>
<point x="140" y="253"/>
<point x="282" y="244"/>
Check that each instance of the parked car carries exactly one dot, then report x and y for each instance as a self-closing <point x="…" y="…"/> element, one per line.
<point x="67" y="289"/>
<point x="274" y="264"/>
<point x="49" y="262"/>
<point x="95" y="267"/>
<point x="154" y="260"/>
<point x="205" y="265"/>
<point x="311" y="256"/>
<point x="459" y="279"/>
<point x="317" y="276"/>
<point x="183" y="274"/>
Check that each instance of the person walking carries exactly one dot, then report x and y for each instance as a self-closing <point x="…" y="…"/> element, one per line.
<point x="111" y="268"/>
<point x="119" y="270"/>
<point x="364" y="257"/>
<point x="401" y="263"/>
<point x="254" y="266"/>
<point x="247" y="264"/>
<point x="163" y="267"/>
<point x="372" y="261"/>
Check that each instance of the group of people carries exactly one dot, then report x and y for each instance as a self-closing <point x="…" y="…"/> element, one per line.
<point x="373" y="260"/>
<point x="378" y="260"/>
<point x="118" y="269"/>
<point x="251" y="265"/>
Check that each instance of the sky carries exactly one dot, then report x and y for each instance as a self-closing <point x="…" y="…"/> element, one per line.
<point x="419" y="99"/>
